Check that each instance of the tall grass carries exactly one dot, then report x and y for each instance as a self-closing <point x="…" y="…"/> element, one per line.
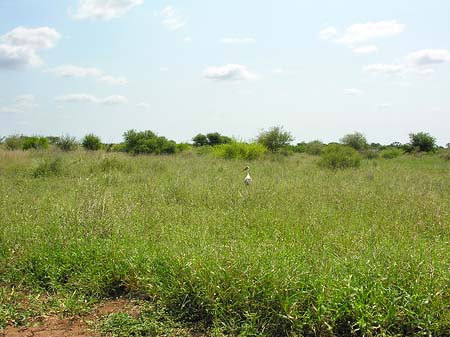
<point x="302" y="251"/>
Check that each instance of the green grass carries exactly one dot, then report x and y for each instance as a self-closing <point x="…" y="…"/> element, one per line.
<point x="302" y="251"/>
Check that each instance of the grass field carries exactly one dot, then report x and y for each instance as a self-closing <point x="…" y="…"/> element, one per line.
<point x="302" y="251"/>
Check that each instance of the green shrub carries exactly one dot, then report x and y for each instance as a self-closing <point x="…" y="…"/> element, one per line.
<point x="91" y="142"/>
<point x="118" y="147"/>
<point x="275" y="138"/>
<point x="212" y="139"/>
<point x="445" y="154"/>
<point x="48" y="168"/>
<point x="391" y="153"/>
<point x="370" y="154"/>
<point x="36" y="143"/>
<point x="238" y="150"/>
<point x="355" y="140"/>
<point x="67" y="143"/>
<point x="146" y="142"/>
<point x="183" y="147"/>
<point x="13" y="142"/>
<point x="314" y="148"/>
<point x="422" y="142"/>
<point x="339" y="157"/>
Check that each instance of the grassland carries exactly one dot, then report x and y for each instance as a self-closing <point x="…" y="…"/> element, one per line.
<point x="303" y="251"/>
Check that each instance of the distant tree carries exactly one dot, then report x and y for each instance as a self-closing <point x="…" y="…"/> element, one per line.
<point x="147" y="142"/>
<point x="67" y="143"/>
<point x="14" y="142"/>
<point x="315" y="147"/>
<point x="200" y="140"/>
<point x="275" y="138"/>
<point x="91" y="142"/>
<point x="35" y="142"/>
<point x="422" y="141"/>
<point x="53" y="140"/>
<point x="355" y="140"/>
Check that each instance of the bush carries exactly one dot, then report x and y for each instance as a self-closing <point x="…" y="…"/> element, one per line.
<point x="339" y="157"/>
<point x="314" y="148"/>
<point x="48" y="168"/>
<point x="67" y="143"/>
<point x="370" y="154"/>
<point x="13" y="142"/>
<point x="422" y="142"/>
<point x="355" y="140"/>
<point x="146" y="142"/>
<point x="35" y="143"/>
<point x="445" y="154"/>
<point x="183" y="147"/>
<point x="211" y="139"/>
<point x="238" y="150"/>
<point x="275" y="138"/>
<point x="391" y="153"/>
<point x="91" y="142"/>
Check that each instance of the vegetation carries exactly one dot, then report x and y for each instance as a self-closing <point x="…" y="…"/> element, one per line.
<point x="355" y="140"/>
<point x="275" y="138"/>
<point x="146" y="142"/>
<point x="336" y="156"/>
<point x="35" y="142"/>
<point x="13" y="142"/>
<point x="422" y="141"/>
<point x="211" y="139"/>
<point x="391" y="152"/>
<point x="302" y="252"/>
<point x="238" y="150"/>
<point x="67" y="143"/>
<point x="91" y="142"/>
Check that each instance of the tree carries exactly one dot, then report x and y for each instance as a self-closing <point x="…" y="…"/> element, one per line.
<point x="147" y="142"/>
<point x="422" y="141"/>
<point x="275" y="138"/>
<point x="91" y="142"/>
<point x="355" y="140"/>
<point x="200" y="140"/>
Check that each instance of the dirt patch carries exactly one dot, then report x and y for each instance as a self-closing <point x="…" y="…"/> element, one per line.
<point x="54" y="326"/>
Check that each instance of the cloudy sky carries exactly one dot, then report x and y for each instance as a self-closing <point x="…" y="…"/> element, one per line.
<point x="321" y="69"/>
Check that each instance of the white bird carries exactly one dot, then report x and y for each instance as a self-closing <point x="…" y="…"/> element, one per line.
<point x="247" y="179"/>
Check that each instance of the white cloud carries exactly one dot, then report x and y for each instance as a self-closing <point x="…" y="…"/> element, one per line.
<point x="187" y="39"/>
<point x="173" y="20"/>
<point x="19" y="46"/>
<point x="363" y="32"/>
<point x="428" y="56"/>
<point x="278" y="71"/>
<point x="237" y="40"/>
<point x="87" y="98"/>
<point x="228" y="72"/>
<point x="328" y="33"/>
<point x="21" y="103"/>
<point x="104" y="9"/>
<point x="76" y="71"/>
<point x="143" y="105"/>
<point x="365" y="49"/>
<point x="387" y="69"/>
<point x="33" y="38"/>
<point x="353" y="92"/>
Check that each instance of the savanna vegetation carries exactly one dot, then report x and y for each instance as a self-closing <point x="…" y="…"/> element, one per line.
<point x="326" y="241"/>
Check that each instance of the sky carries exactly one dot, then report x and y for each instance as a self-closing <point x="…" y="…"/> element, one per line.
<point x="321" y="69"/>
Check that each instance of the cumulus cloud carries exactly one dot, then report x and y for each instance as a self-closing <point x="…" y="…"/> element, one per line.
<point x="363" y="32"/>
<point x="143" y="105"/>
<point x="172" y="19"/>
<point x="104" y="9"/>
<point x="87" y="98"/>
<point x="428" y="56"/>
<point x="328" y="33"/>
<point x="387" y="69"/>
<point x="357" y="35"/>
<point x="21" y="103"/>
<point x="19" y="47"/>
<point x="237" y="40"/>
<point x="353" y="92"/>
<point x="228" y="72"/>
<point x="76" y="71"/>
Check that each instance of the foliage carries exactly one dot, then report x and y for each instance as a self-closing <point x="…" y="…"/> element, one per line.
<point x="391" y="152"/>
<point x="37" y="143"/>
<point x="314" y="148"/>
<point x="370" y="153"/>
<point x="355" y="140"/>
<point x="237" y="150"/>
<point x="53" y="140"/>
<point x="48" y="168"/>
<point x="13" y="142"/>
<point x="181" y="147"/>
<point x="445" y="154"/>
<point x="67" y="143"/>
<point x="422" y="142"/>
<point x="211" y="139"/>
<point x="146" y="142"/>
<point x="91" y="142"/>
<point x="336" y="156"/>
<point x="275" y="138"/>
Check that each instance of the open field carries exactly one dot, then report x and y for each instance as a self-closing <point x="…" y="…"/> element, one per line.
<point x="302" y="251"/>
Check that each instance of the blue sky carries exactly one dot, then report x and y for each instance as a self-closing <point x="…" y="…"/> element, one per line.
<point x="321" y="69"/>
